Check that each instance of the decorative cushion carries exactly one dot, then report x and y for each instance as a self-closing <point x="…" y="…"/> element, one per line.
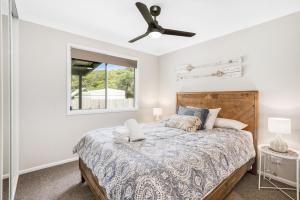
<point x="199" y="112"/>
<point x="184" y="122"/>
<point x="229" y="123"/>
<point x="211" y="117"/>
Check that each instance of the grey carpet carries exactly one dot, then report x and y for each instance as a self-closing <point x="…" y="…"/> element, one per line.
<point x="5" y="189"/>
<point x="63" y="183"/>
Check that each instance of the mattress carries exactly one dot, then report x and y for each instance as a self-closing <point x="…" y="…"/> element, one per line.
<point x="169" y="164"/>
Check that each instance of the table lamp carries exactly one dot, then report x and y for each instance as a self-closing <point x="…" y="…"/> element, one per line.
<point x="279" y="126"/>
<point x="157" y="112"/>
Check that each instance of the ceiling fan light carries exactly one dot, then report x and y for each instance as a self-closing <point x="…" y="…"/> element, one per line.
<point x="155" y="34"/>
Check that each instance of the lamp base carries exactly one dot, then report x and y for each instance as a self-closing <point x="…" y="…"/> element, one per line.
<point x="279" y="145"/>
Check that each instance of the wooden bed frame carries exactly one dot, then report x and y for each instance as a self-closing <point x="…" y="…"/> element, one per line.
<point x="238" y="105"/>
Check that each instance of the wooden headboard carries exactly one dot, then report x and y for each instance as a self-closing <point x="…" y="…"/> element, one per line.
<point x="238" y="105"/>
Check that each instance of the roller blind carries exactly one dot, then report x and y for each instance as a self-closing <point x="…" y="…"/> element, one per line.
<point x="102" y="58"/>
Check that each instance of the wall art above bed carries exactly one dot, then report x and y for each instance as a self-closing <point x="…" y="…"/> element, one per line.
<point x="231" y="68"/>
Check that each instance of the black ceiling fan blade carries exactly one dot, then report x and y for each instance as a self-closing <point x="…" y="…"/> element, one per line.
<point x="145" y="12"/>
<point x="139" y="37"/>
<point x="178" y="33"/>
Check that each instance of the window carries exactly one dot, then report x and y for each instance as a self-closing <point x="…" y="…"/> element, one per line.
<point x="100" y="82"/>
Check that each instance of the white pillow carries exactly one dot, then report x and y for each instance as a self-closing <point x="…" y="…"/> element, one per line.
<point x="229" y="123"/>
<point x="211" y="117"/>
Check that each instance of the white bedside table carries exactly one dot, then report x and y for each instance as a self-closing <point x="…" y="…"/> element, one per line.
<point x="265" y="151"/>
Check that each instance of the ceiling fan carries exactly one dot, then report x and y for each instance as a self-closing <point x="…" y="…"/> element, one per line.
<point x="154" y="29"/>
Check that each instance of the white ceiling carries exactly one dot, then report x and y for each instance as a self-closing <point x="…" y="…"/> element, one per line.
<point x="117" y="21"/>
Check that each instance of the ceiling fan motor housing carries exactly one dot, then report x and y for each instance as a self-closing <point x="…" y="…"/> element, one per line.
<point x="155" y="10"/>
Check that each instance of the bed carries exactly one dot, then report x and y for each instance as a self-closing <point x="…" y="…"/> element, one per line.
<point x="173" y="164"/>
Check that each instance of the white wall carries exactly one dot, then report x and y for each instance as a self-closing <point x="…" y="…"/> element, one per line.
<point x="15" y="108"/>
<point x="1" y="101"/>
<point x="5" y="97"/>
<point x="15" y="103"/>
<point x="272" y="66"/>
<point x="47" y="133"/>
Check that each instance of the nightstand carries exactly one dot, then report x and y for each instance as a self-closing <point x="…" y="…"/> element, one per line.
<point x="266" y="152"/>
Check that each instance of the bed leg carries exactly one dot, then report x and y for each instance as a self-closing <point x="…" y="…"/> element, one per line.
<point x="254" y="168"/>
<point x="82" y="179"/>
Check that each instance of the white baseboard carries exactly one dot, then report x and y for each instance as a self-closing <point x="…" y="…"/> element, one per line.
<point x="5" y="176"/>
<point x="25" y="171"/>
<point x="280" y="179"/>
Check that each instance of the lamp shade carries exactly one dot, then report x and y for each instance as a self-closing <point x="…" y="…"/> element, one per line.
<point x="157" y="111"/>
<point x="279" y="125"/>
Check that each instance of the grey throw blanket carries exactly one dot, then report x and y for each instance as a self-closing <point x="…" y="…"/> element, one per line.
<point x="169" y="164"/>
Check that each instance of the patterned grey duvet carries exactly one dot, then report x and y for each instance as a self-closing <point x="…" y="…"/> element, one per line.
<point x="169" y="164"/>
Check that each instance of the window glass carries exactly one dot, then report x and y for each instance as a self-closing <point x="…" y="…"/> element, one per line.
<point x="120" y="90"/>
<point x="101" y="85"/>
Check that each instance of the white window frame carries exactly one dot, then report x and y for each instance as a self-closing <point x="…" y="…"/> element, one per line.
<point x="69" y="84"/>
